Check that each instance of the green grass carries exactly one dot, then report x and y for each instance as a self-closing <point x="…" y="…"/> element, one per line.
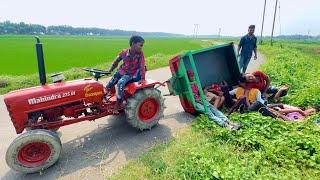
<point x="68" y="54"/>
<point x="310" y="47"/>
<point x="264" y="148"/>
<point x="297" y="65"/>
<point x="61" y="53"/>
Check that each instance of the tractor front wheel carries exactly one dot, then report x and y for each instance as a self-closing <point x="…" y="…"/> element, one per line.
<point x="33" y="151"/>
<point x="145" y="108"/>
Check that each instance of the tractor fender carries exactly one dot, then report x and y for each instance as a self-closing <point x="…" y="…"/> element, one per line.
<point x="135" y="86"/>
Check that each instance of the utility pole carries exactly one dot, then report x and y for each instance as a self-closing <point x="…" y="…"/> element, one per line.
<point x="264" y="12"/>
<point x="196" y="30"/>
<point x="274" y="19"/>
<point x="279" y="20"/>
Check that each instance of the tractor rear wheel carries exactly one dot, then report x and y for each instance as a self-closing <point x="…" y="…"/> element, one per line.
<point x="145" y="108"/>
<point x="34" y="151"/>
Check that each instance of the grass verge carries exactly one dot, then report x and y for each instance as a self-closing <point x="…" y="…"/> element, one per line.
<point x="265" y="148"/>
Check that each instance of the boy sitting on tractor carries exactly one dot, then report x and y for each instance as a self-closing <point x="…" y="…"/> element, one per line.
<point x="132" y="68"/>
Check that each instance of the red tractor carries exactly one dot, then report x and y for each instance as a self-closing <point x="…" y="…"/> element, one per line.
<point x="41" y="110"/>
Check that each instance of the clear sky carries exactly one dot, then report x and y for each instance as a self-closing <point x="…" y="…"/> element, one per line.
<point x="174" y="16"/>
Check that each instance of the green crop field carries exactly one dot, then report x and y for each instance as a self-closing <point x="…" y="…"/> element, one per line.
<point x="61" y="53"/>
<point x="68" y="54"/>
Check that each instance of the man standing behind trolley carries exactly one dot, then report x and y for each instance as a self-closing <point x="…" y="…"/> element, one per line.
<point x="248" y="43"/>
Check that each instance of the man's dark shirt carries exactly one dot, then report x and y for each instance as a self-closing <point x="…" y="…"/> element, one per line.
<point x="247" y="45"/>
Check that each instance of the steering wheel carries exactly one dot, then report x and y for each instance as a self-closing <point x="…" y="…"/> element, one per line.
<point x="97" y="73"/>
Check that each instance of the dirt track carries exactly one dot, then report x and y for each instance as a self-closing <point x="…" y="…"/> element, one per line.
<point x="93" y="150"/>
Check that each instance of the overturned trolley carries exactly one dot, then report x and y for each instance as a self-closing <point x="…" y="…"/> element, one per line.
<point x="210" y="66"/>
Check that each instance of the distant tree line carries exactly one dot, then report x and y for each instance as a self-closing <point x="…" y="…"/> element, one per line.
<point x="21" y="28"/>
<point x="299" y="37"/>
<point x="8" y="27"/>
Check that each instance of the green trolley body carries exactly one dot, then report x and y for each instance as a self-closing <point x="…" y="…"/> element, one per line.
<point x="210" y="66"/>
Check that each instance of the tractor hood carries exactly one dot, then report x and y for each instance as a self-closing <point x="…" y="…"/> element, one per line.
<point x="47" y="96"/>
<point x="57" y="93"/>
<point x="21" y="102"/>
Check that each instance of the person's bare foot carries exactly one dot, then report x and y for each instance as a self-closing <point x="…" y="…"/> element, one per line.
<point x="284" y="88"/>
<point x="233" y="126"/>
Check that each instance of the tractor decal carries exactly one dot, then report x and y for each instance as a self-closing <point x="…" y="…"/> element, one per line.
<point x="87" y="90"/>
<point x="94" y="94"/>
<point x="52" y="97"/>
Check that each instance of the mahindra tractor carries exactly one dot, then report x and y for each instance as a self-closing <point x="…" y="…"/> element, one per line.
<point x="38" y="112"/>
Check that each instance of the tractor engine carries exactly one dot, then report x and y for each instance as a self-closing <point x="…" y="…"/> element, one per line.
<point x="52" y="114"/>
<point x="72" y="110"/>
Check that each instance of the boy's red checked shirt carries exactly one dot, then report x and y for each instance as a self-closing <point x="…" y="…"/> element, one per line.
<point x="132" y="65"/>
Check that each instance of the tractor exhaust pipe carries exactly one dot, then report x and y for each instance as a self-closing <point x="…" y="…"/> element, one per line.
<point x="41" y="66"/>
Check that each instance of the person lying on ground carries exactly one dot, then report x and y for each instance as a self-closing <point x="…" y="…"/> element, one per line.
<point x="245" y="98"/>
<point x="132" y="68"/>
<point x="213" y="113"/>
<point x="261" y="81"/>
<point x="292" y="113"/>
<point x="216" y="100"/>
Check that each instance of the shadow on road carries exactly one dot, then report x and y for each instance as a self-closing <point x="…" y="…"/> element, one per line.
<point x="100" y="148"/>
<point x="181" y="117"/>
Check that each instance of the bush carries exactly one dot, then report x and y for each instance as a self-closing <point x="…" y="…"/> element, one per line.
<point x="4" y="83"/>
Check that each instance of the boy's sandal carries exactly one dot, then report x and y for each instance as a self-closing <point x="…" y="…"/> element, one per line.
<point x="115" y="112"/>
